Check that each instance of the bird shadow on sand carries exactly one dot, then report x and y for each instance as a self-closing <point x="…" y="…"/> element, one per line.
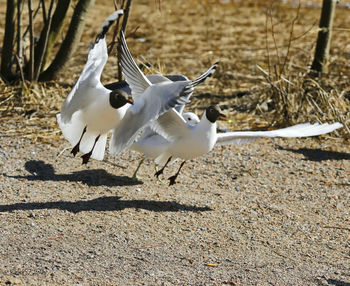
<point x="337" y="282"/>
<point x="41" y="171"/>
<point x="318" y="155"/>
<point x="112" y="203"/>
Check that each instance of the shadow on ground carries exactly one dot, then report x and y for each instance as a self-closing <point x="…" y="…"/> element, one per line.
<point x="113" y="203"/>
<point x="41" y="171"/>
<point x="337" y="282"/>
<point x="318" y="155"/>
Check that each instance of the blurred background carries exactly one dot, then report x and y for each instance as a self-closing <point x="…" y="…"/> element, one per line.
<point x="265" y="49"/>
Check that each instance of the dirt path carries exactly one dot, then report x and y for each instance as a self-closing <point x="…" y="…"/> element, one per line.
<point x="272" y="212"/>
<point x="266" y="213"/>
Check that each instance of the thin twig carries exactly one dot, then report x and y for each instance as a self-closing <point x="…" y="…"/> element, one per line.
<point x="290" y="38"/>
<point x="8" y="98"/>
<point x="46" y="36"/>
<point x="19" y="39"/>
<point x="275" y="42"/>
<point x="34" y="15"/>
<point x="21" y="71"/>
<point x="267" y="41"/>
<point x="31" y="39"/>
<point x="44" y="11"/>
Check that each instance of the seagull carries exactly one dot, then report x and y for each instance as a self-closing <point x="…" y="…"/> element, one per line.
<point x="90" y="110"/>
<point x="151" y="144"/>
<point x="188" y="142"/>
<point x="150" y="100"/>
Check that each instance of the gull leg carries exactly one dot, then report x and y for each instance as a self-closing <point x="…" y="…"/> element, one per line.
<point x="87" y="156"/>
<point x="75" y="149"/>
<point x="134" y="177"/>
<point x="173" y="178"/>
<point x="158" y="179"/>
<point x="157" y="174"/>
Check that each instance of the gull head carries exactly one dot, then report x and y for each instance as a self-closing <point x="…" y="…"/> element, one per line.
<point x="118" y="98"/>
<point x="191" y="118"/>
<point x="213" y="113"/>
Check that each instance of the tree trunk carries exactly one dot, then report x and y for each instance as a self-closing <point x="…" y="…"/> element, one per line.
<point x="7" y="47"/>
<point x="320" y="62"/>
<point x="56" y="28"/>
<point x="70" y="42"/>
<point x="38" y="60"/>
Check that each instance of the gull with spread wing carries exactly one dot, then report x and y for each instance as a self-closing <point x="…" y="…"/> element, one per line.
<point x="150" y="100"/>
<point x="187" y="142"/>
<point x="90" y="110"/>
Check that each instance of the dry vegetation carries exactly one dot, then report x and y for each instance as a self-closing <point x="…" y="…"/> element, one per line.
<point x="264" y="51"/>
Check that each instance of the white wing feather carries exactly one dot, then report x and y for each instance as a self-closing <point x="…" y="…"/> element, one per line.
<point x="299" y="130"/>
<point x="82" y="94"/>
<point x="171" y="125"/>
<point x="133" y="75"/>
<point x="158" y="99"/>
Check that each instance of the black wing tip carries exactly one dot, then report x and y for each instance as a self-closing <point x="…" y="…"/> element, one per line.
<point x="213" y="68"/>
<point x="107" y="24"/>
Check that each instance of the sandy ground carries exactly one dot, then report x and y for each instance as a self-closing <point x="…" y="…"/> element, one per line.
<point x="271" y="212"/>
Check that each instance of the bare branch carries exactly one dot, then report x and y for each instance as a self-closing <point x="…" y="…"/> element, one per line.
<point x="42" y="48"/>
<point x="56" y="28"/>
<point x="290" y="38"/>
<point x="31" y="39"/>
<point x="34" y="15"/>
<point x="21" y="72"/>
<point x="70" y="42"/>
<point x="44" y="11"/>
<point x="19" y="56"/>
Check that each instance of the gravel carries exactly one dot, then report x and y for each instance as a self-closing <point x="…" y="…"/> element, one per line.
<point x="272" y="212"/>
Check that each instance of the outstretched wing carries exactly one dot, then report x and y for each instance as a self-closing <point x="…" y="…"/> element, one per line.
<point x="158" y="99"/>
<point x="196" y="81"/>
<point x="83" y="91"/>
<point x="133" y="75"/>
<point x="299" y="130"/>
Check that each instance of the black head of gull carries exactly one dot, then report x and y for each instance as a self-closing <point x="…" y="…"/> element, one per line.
<point x="118" y="98"/>
<point x="213" y="113"/>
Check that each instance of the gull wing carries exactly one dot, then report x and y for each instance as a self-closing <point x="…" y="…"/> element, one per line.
<point x="89" y="86"/>
<point x="158" y="99"/>
<point x="133" y="75"/>
<point x="299" y="130"/>
<point x="195" y="82"/>
<point x="171" y="125"/>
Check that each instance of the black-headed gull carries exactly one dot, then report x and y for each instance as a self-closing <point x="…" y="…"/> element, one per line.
<point x="187" y="142"/>
<point x="91" y="110"/>
<point x="151" y="144"/>
<point x="150" y="100"/>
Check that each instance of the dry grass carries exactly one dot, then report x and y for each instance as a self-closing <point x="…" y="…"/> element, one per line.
<point x="264" y="52"/>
